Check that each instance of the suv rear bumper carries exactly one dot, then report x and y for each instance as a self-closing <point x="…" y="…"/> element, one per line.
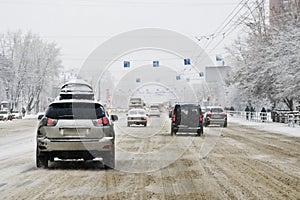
<point x="75" y="144"/>
<point x="187" y="129"/>
<point x="216" y="121"/>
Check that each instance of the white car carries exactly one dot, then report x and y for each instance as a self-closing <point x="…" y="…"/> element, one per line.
<point x="16" y="114"/>
<point x="215" y="115"/>
<point x="5" y="115"/>
<point x="137" y="116"/>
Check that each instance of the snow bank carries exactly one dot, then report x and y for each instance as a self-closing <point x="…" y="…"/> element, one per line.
<point x="278" y="128"/>
<point x="31" y="116"/>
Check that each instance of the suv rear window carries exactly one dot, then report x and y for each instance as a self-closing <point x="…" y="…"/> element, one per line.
<point x="75" y="111"/>
<point x="190" y="109"/>
<point x="137" y="112"/>
<point x="217" y="110"/>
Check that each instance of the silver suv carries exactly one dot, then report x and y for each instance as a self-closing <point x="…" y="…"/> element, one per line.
<point x="76" y="129"/>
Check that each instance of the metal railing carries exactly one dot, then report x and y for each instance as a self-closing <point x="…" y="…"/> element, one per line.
<point x="291" y="118"/>
<point x="252" y="116"/>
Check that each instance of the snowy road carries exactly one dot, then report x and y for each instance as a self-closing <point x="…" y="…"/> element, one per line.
<point x="245" y="163"/>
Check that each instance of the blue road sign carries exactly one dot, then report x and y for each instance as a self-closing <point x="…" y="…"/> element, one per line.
<point x="201" y="74"/>
<point x="187" y="61"/>
<point x="155" y="63"/>
<point x="126" y="64"/>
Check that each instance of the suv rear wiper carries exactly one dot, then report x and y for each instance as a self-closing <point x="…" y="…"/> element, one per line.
<point x="66" y="117"/>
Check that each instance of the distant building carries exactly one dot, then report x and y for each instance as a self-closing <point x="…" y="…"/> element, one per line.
<point x="215" y="78"/>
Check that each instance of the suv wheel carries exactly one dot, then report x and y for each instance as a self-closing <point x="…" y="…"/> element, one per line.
<point x="41" y="159"/>
<point x="199" y="132"/>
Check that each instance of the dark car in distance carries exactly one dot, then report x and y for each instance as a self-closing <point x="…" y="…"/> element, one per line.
<point x="187" y="118"/>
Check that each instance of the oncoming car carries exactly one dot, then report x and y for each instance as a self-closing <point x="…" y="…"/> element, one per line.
<point x="187" y="118"/>
<point x="137" y="116"/>
<point x="215" y="115"/>
<point x="5" y="115"/>
<point x="76" y="129"/>
<point x="16" y="114"/>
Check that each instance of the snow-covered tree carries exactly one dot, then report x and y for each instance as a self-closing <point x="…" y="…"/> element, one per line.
<point x="266" y="61"/>
<point x="30" y="65"/>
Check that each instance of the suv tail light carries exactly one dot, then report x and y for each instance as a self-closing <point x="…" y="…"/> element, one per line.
<point x="224" y="114"/>
<point x="101" y="121"/>
<point x="109" y="146"/>
<point x="51" y="122"/>
<point x="105" y="120"/>
<point x="201" y="119"/>
<point x="209" y="114"/>
<point x="174" y="119"/>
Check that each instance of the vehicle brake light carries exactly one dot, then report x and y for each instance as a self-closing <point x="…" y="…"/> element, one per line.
<point x="105" y="121"/>
<point x="209" y="114"/>
<point x="51" y="122"/>
<point x="108" y="146"/>
<point x="224" y="114"/>
<point x="101" y="121"/>
<point x="201" y="119"/>
<point x="174" y="119"/>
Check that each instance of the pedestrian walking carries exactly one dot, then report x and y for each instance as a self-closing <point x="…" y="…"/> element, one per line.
<point x="247" y="110"/>
<point x="23" y="112"/>
<point x="263" y="114"/>
<point x="252" y="110"/>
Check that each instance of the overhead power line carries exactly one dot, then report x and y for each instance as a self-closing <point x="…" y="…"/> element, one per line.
<point x="115" y="3"/>
<point x="234" y="27"/>
<point x="231" y="26"/>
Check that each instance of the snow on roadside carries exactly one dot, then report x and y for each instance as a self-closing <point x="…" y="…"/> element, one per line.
<point x="279" y="128"/>
<point x="31" y="116"/>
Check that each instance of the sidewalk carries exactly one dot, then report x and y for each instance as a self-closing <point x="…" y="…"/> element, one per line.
<point x="279" y="128"/>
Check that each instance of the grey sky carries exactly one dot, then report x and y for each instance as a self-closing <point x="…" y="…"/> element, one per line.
<point x="79" y="26"/>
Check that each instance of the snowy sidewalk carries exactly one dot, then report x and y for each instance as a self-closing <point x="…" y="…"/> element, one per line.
<point x="272" y="127"/>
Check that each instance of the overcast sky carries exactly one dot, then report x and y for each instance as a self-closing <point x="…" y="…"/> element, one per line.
<point x="79" y="26"/>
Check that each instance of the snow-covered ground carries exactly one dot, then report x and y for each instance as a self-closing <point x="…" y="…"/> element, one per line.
<point x="279" y="128"/>
<point x="31" y="116"/>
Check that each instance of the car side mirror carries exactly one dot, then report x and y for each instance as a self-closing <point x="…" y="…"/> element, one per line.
<point x="114" y="118"/>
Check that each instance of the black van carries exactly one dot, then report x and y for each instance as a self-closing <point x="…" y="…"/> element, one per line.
<point x="187" y="118"/>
